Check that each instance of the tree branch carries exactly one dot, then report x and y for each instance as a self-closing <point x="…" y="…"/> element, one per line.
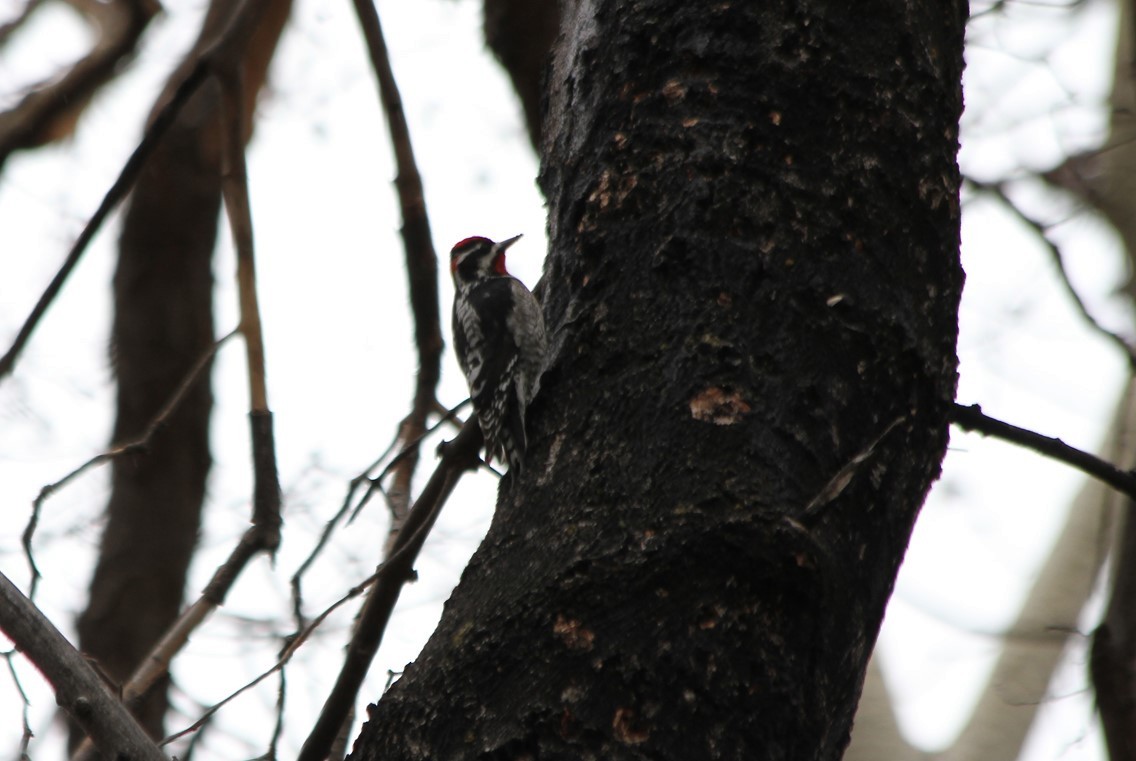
<point x="421" y="262"/>
<point x="374" y="483"/>
<point x="133" y="446"/>
<point x="256" y="539"/>
<point x="458" y="456"/>
<point x="393" y="566"/>
<point x="51" y="108"/>
<point x="78" y="689"/>
<point x="236" y="32"/>
<point x="266" y="483"/>
<point x="998" y="190"/>
<point x="26" y="736"/>
<point x="8" y="28"/>
<point x="972" y="419"/>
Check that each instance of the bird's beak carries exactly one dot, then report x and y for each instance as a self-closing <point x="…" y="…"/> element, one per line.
<point x="508" y="242"/>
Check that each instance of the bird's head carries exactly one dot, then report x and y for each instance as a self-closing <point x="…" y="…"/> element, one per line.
<point x="476" y="258"/>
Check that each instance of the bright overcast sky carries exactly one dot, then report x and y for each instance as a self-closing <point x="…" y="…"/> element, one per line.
<point x="340" y="358"/>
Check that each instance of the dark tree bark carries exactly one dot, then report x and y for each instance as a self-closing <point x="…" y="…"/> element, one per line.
<point x="1113" y="657"/>
<point x="163" y="324"/>
<point x="752" y="296"/>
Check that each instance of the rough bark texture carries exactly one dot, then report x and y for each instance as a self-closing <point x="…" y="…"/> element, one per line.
<point x="163" y="323"/>
<point x="752" y="295"/>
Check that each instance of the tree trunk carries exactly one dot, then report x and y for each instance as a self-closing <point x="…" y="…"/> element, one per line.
<point x="752" y="294"/>
<point x="163" y="323"/>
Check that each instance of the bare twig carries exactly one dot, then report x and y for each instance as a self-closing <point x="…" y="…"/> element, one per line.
<point x="26" y="737"/>
<point x="373" y="483"/>
<point x="266" y="486"/>
<point x="198" y="740"/>
<point x="281" y="662"/>
<point x="421" y="265"/>
<point x="999" y="192"/>
<point x="459" y="455"/>
<point x="135" y="446"/>
<point x="211" y="598"/>
<point x="78" y="689"/>
<point x="392" y="567"/>
<point x="421" y="260"/>
<point x="278" y="726"/>
<point x="235" y="188"/>
<point x="51" y="108"/>
<point x="8" y="28"/>
<point x="255" y="540"/>
<point x="233" y="35"/>
<point x="972" y="419"/>
<point x="117" y="192"/>
<point x="325" y="536"/>
<point x="409" y="449"/>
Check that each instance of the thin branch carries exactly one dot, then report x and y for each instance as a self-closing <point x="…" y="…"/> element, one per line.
<point x="26" y="737"/>
<point x="235" y="33"/>
<point x="408" y="450"/>
<point x="51" y="108"/>
<point x="256" y="539"/>
<point x="236" y="193"/>
<point x="373" y="482"/>
<point x="393" y="565"/>
<point x="281" y="662"/>
<point x="458" y="456"/>
<point x="421" y="260"/>
<point x="278" y="726"/>
<point x="8" y="28"/>
<point x="117" y="192"/>
<point x="266" y="481"/>
<point x="135" y="446"/>
<point x="325" y="536"/>
<point x="450" y="415"/>
<point x="998" y="190"/>
<point x="421" y="266"/>
<point x="411" y="428"/>
<point x="189" y="752"/>
<point x="78" y="689"/>
<point x="972" y="419"/>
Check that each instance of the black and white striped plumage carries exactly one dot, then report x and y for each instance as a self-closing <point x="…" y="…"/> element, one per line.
<point x="500" y="342"/>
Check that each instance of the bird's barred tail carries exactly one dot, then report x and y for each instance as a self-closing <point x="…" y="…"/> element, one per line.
<point x="504" y="429"/>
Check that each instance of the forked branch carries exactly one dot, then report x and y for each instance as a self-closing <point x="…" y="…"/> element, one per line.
<point x="458" y="456"/>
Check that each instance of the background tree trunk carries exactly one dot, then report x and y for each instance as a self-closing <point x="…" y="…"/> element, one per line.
<point x="521" y="34"/>
<point x="163" y="324"/>
<point x="752" y="292"/>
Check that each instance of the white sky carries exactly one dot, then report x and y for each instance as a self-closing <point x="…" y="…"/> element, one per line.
<point x="340" y="358"/>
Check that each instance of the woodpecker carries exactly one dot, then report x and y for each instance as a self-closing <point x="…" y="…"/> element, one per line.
<point x="500" y="342"/>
